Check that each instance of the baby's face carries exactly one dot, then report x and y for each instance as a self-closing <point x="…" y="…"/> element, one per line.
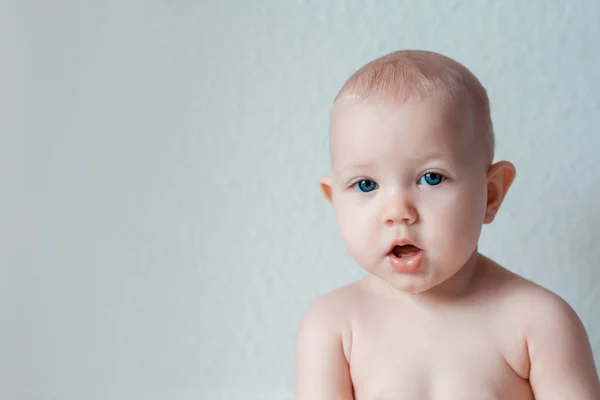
<point x="411" y="172"/>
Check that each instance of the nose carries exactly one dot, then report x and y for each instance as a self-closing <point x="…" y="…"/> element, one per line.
<point x="399" y="209"/>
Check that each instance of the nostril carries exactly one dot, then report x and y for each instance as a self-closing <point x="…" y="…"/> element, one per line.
<point x="396" y="215"/>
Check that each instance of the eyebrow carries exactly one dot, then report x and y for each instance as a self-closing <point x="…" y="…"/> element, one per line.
<point x="434" y="155"/>
<point x="353" y="167"/>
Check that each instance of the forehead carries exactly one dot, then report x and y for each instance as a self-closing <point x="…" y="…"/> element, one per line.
<point x="418" y="129"/>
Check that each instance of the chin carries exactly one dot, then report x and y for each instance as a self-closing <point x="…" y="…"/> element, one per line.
<point x="413" y="289"/>
<point x="409" y="284"/>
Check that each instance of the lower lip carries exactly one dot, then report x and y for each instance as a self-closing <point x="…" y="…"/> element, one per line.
<point x="406" y="264"/>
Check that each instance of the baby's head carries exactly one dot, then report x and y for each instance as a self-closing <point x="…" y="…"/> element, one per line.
<point x="412" y="146"/>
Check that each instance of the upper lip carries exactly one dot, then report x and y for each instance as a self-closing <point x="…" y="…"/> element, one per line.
<point x="401" y="242"/>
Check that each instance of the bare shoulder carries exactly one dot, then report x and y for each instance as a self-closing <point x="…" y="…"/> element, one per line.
<point x="535" y="304"/>
<point x="561" y="363"/>
<point x="323" y="345"/>
<point x="524" y="297"/>
<point x="339" y="300"/>
<point x="331" y="313"/>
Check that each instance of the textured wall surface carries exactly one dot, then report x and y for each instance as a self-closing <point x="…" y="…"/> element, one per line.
<point x="161" y="225"/>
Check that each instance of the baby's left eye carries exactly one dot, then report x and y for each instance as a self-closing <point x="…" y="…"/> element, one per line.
<point x="432" y="179"/>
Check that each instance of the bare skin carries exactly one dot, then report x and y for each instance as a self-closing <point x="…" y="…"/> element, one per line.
<point x="459" y="326"/>
<point x="369" y="343"/>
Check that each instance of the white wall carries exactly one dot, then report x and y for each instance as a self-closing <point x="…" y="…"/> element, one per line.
<point x="161" y="225"/>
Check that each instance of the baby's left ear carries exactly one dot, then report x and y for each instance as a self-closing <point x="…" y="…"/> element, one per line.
<point x="500" y="177"/>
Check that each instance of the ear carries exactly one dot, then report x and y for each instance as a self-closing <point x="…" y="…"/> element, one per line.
<point x="325" y="183"/>
<point x="500" y="177"/>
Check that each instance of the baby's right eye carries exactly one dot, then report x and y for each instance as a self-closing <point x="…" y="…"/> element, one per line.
<point x="365" y="186"/>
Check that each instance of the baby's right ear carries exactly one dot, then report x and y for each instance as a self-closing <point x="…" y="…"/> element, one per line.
<point x="325" y="183"/>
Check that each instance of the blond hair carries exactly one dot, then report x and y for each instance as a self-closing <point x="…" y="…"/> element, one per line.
<point x="401" y="75"/>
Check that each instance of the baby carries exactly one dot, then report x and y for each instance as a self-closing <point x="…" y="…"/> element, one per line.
<point x="413" y="181"/>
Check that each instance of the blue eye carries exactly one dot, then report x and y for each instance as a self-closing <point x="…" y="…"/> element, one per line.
<point x="365" y="185"/>
<point x="431" y="178"/>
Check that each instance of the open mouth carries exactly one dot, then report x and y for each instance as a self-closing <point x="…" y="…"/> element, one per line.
<point x="405" y="251"/>
<point x="406" y="258"/>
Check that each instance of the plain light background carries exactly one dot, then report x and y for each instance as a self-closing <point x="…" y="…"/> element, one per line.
<point x="162" y="229"/>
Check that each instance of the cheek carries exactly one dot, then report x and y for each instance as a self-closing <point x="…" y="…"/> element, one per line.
<point x="459" y="223"/>
<point x="355" y="223"/>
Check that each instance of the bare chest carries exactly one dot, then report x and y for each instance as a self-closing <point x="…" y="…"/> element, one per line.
<point x="414" y="361"/>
